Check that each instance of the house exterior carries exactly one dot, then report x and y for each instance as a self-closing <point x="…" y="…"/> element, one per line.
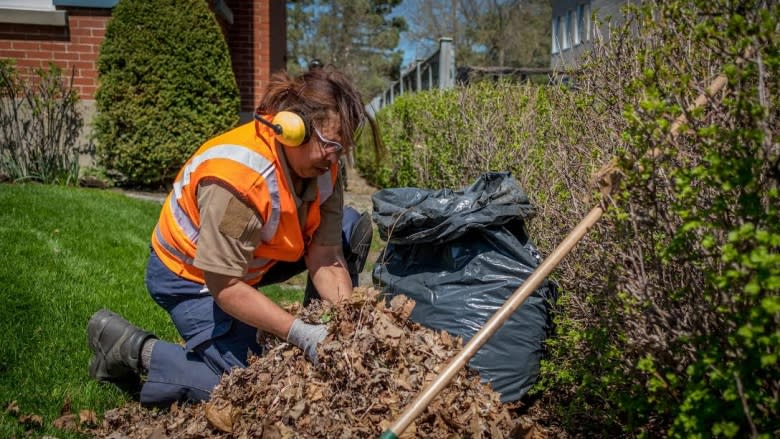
<point x="573" y="28"/>
<point x="69" y="33"/>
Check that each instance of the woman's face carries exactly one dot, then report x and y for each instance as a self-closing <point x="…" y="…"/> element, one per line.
<point x="323" y="149"/>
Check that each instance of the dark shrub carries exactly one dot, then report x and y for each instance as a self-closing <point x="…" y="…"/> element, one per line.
<point x="166" y="85"/>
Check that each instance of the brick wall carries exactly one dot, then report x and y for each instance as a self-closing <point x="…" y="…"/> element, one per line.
<point x="73" y="47"/>
<point x="257" y="40"/>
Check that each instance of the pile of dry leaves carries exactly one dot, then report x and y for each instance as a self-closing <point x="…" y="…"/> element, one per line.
<point x="373" y="363"/>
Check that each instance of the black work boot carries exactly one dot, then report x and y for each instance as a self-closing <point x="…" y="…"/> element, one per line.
<point x="359" y="244"/>
<point x="117" y="346"/>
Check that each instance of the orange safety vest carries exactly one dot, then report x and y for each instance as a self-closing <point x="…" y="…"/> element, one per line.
<point x="246" y="160"/>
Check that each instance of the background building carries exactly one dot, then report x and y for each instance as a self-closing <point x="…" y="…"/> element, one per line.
<point x="573" y="28"/>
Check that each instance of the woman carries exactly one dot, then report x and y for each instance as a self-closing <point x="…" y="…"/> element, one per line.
<point x="251" y="207"/>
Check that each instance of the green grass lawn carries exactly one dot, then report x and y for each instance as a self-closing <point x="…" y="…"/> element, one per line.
<point x="64" y="254"/>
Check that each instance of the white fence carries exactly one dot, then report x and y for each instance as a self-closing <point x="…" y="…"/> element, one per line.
<point x="436" y="71"/>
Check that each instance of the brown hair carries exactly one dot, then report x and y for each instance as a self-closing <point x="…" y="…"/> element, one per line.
<point x="316" y="93"/>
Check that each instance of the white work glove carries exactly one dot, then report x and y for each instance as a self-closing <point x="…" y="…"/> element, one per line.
<point x="307" y="337"/>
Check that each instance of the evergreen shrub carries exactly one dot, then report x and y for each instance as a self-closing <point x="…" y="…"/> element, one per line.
<point x="166" y="86"/>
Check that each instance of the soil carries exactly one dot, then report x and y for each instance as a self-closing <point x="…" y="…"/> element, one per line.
<point x="358" y="193"/>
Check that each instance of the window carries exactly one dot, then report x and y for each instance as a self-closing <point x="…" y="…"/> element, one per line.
<point x="36" y="12"/>
<point x="44" y="12"/>
<point x="556" y="31"/>
<point x="582" y="32"/>
<point x="33" y="5"/>
<point x="576" y="30"/>
<point x="566" y="37"/>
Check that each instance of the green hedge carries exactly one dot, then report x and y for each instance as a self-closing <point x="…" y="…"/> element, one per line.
<point x="166" y="85"/>
<point x="449" y="137"/>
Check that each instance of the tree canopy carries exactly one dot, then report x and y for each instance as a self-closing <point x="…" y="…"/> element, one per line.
<point x="485" y="32"/>
<point x="360" y="37"/>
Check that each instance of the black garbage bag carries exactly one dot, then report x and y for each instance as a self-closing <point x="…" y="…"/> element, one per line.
<point x="460" y="255"/>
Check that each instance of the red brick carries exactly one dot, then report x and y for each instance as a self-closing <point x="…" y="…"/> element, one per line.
<point x="38" y="55"/>
<point x="77" y="30"/>
<point x="26" y="45"/>
<point x="89" y="22"/>
<point x="64" y="56"/>
<point x="83" y="81"/>
<point x="82" y="65"/>
<point x="87" y="39"/>
<point x="49" y="46"/>
<point x="80" y="48"/>
<point x="14" y="54"/>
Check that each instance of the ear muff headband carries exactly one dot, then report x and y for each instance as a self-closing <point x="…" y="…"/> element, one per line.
<point x="289" y="128"/>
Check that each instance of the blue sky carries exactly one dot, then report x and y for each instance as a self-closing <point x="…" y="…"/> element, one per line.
<point x="410" y="48"/>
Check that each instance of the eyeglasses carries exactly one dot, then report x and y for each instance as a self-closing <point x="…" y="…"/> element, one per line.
<point x="329" y="145"/>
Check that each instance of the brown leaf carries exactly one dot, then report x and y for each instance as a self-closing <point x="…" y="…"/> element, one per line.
<point x="389" y="399"/>
<point x="346" y="328"/>
<point x="66" y="422"/>
<point x="315" y="391"/>
<point x="446" y="339"/>
<point x="410" y="432"/>
<point x="88" y="418"/>
<point x="402" y="306"/>
<point x="66" y="410"/>
<point x="31" y="421"/>
<point x="384" y="328"/>
<point x="372" y="365"/>
<point x="297" y="410"/>
<point x="12" y="408"/>
<point x="220" y="415"/>
<point x="157" y="432"/>
<point x="527" y="429"/>
<point x="271" y="431"/>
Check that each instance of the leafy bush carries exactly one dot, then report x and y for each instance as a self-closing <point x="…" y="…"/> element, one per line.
<point x="39" y="125"/>
<point x="696" y="223"/>
<point x="166" y="85"/>
<point x="668" y="321"/>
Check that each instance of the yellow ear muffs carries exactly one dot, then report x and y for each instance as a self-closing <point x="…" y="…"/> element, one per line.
<point x="290" y="128"/>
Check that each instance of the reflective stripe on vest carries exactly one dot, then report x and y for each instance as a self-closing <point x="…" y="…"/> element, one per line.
<point x="246" y="157"/>
<point x="171" y="249"/>
<point x="254" y="171"/>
